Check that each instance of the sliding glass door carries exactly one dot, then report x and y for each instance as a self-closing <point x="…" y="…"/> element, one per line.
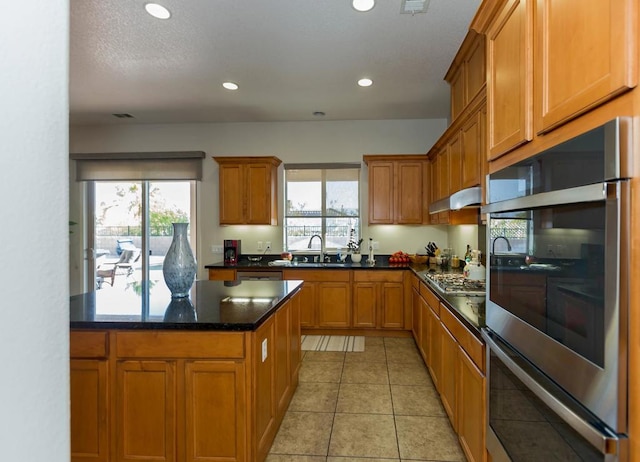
<point x="131" y="230"/>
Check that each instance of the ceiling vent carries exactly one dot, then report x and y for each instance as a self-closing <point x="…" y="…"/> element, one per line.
<point x="123" y="116"/>
<point x="414" y="6"/>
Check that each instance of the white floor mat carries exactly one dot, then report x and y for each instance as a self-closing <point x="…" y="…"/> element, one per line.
<point x="333" y="343"/>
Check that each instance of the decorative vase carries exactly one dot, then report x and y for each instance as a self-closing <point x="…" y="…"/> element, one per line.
<point x="179" y="267"/>
<point x="356" y="257"/>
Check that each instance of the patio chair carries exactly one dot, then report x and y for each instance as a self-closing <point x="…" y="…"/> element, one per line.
<point x="108" y="270"/>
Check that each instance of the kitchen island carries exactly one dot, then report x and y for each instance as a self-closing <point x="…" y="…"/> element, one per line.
<point x="204" y="378"/>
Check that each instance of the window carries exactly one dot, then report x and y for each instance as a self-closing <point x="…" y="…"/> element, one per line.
<point x="322" y="200"/>
<point x="515" y="228"/>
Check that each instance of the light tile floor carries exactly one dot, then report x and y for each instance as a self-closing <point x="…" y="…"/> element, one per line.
<point x="376" y="406"/>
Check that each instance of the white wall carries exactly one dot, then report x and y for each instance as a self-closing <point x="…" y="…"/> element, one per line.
<point x="317" y="141"/>
<point x="34" y="332"/>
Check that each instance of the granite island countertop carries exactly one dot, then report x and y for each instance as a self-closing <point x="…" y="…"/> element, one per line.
<point x="212" y="305"/>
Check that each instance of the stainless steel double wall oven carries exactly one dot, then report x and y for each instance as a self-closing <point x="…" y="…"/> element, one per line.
<point x="557" y="301"/>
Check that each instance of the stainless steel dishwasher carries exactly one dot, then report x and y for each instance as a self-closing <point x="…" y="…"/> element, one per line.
<point x="242" y="275"/>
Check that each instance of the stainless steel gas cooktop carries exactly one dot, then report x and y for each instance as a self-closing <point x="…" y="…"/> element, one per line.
<point x="456" y="284"/>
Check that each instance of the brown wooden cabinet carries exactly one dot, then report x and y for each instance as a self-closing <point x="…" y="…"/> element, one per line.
<point x="447" y="385"/>
<point x="90" y="420"/>
<point x="473" y="150"/>
<point x="395" y="188"/>
<point x="378" y="299"/>
<point x="183" y="396"/>
<point x="471" y="408"/>
<point x="584" y="56"/>
<point x="466" y="75"/>
<point x="89" y="410"/>
<point x="222" y="274"/>
<point x="326" y="297"/>
<point x="248" y="190"/>
<point x="509" y="77"/>
<point x="455" y="358"/>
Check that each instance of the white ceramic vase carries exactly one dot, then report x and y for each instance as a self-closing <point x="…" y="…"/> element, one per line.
<point x="356" y="257"/>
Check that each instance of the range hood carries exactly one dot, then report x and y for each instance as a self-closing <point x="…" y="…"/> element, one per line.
<point x="458" y="200"/>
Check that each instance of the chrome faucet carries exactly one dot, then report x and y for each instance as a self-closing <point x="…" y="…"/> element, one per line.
<point x="321" y="243"/>
<point x="493" y="246"/>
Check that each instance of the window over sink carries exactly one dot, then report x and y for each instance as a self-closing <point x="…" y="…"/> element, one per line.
<point x="321" y="200"/>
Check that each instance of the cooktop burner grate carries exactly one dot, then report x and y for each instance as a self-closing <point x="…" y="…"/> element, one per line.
<point x="456" y="283"/>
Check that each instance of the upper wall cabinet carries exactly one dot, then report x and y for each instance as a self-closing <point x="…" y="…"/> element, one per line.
<point x="248" y="190"/>
<point x="467" y="72"/>
<point x="509" y="58"/>
<point x="585" y="55"/>
<point x="396" y="188"/>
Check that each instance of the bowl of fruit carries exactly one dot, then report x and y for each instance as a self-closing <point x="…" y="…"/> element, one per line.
<point x="399" y="258"/>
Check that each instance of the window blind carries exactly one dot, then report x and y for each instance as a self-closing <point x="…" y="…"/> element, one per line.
<point x="133" y="166"/>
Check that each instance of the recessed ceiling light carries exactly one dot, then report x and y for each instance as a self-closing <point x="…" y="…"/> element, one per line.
<point x="319" y="114"/>
<point x="157" y="11"/>
<point x="365" y="82"/>
<point x="230" y="85"/>
<point x="363" y="5"/>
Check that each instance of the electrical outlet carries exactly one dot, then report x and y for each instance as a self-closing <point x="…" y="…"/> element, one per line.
<point x="376" y="245"/>
<point x="264" y="350"/>
<point x="216" y="249"/>
<point x="259" y="245"/>
<point x="268" y="245"/>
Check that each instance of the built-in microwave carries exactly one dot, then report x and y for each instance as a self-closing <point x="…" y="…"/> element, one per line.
<point x="557" y="272"/>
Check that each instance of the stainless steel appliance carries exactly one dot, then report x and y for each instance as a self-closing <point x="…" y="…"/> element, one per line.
<point x="557" y="293"/>
<point x="231" y="250"/>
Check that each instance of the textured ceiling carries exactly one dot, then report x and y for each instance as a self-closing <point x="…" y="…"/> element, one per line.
<point x="290" y="58"/>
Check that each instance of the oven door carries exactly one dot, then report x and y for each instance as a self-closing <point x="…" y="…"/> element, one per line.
<point x="567" y="313"/>
<point x="532" y="419"/>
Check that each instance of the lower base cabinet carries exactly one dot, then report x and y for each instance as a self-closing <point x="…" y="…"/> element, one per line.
<point x="183" y="396"/>
<point x="455" y="359"/>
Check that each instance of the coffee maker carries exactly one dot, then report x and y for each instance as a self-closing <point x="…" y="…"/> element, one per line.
<point x="231" y="251"/>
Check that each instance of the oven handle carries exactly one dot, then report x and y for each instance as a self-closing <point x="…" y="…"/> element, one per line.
<point x="589" y="193"/>
<point x="605" y="443"/>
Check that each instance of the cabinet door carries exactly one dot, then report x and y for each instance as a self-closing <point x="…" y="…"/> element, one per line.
<point x="89" y="411"/>
<point x="215" y="407"/>
<point x="334" y="309"/>
<point x="475" y="67"/>
<point x="458" y="97"/>
<point x="509" y="78"/>
<point x="392" y="312"/>
<point x="146" y="411"/>
<point x="381" y="192"/>
<point x="584" y="56"/>
<point x="232" y="194"/>
<point x="447" y="382"/>
<point x="264" y="394"/>
<point x="258" y="194"/>
<point x="308" y="304"/>
<point x="408" y="186"/>
<point x="443" y="173"/>
<point x="295" y="339"/>
<point x="471" y="408"/>
<point x="416" y="318"/>
<point x="455" y="164"/>
<point x="425" y="324"/>
<point x="283" y="359"/>
<point x="364" y="304"/>
<point x="472" y="150"/>
<point x="434" y="361"/>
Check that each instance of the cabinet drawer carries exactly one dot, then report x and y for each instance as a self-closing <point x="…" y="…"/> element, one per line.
<point x="317" y="275"/>
<point x="220" y="274"/>
<point x="377" y="276"/>
<point x="87" y="344"/>
<point x="150" y="344"/>
<point x="469" y="342"/>
<point x="431" y="298"/>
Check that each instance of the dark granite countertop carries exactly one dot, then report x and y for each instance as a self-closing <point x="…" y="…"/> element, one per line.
<point x="212" y="305"/>
<point x="382" y="262"/>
